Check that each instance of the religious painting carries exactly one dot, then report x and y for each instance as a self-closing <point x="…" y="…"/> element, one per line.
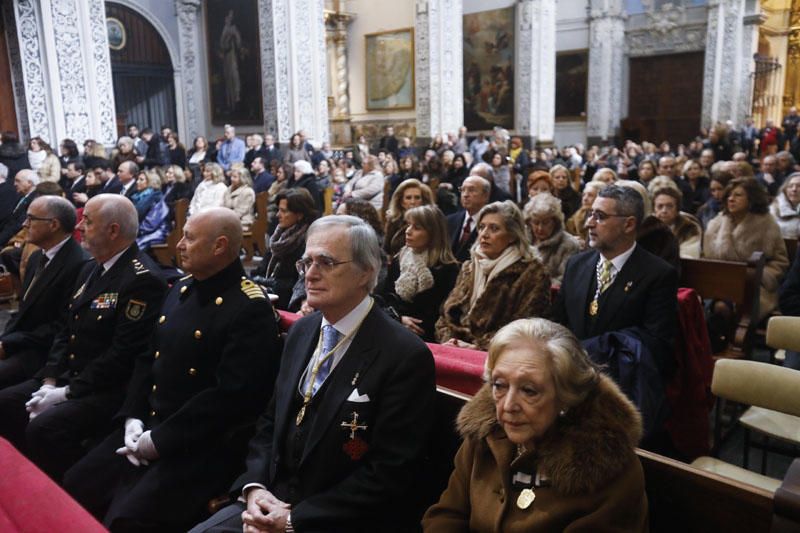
<point x="390" y="70"/>
<point x="234" y="61"/>
<point x="572" y="79"/>
<point x="489" y="69"/>
<point x="117" y="36"/>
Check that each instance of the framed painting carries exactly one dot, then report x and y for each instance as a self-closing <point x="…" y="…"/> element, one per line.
<point x="234" y="61"/>
<point x="390" y="70"/>
<point x="117" y="36"/>
<point x="572" y="79"/>
<point x="489" y="69"/>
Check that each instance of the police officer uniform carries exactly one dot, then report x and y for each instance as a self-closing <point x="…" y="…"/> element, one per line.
<point x="111" y="316"/>
<point x="211" y="368"/>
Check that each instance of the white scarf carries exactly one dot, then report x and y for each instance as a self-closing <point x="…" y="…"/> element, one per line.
<point x="415" y="276"/>
<point x="36" y="158"/>
<point x="485" y="270"/>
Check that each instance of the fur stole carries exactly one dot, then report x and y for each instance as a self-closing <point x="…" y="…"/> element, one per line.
<point x="736" y="242"/>
<point x="415" y="276"/>
<point x="592" y="444"/>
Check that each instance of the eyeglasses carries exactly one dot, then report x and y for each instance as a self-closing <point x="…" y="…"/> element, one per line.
<point x="599" y="216"/>
<point x="322" y="262"/>
<point x="33" y="218"/>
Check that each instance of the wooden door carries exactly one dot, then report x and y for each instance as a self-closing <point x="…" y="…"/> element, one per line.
<point x="665" y="98"/>
<point x="8" y="113"/>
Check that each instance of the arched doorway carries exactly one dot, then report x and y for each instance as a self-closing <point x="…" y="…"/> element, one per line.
<point x="144" y="83"/>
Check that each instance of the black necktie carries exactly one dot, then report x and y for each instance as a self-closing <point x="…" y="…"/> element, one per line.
<point x="43" y="260"/>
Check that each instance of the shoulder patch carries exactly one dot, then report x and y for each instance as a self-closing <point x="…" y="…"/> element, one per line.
<point x="252" y="290"/>
<point x="138" y="267"/>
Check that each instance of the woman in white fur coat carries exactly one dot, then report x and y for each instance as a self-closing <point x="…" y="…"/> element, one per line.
<point x="786" y="207"/>
<point x="745" y="226"/>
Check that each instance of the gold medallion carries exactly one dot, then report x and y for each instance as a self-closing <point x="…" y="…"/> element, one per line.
<point x="593" y="307"/>
<point x="525" y="498"/>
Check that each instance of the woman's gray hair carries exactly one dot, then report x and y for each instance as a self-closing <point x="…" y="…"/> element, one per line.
<point x="125" y="140"/>
<point x="244" y="176"/>
<point x="364" y="246"/>
<point x="514" y="223"/>
<point x="574" y="374"/>
<point x="545" y="205"/>
<point x="217" y="173"/>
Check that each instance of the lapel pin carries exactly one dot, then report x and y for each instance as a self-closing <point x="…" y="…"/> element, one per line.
<point x="628" y="286"/>
<point x="355" y="380"/>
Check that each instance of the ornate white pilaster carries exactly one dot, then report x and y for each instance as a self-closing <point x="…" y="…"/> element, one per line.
<point x="439" y="67"/>
<point x="66" y="69"/>
<point x="606" y="42"/>
<point x="190" y="92"/>
<point x="536" y="69"/>
<point x="729" y="51"/>
<point x="293" y="64"/>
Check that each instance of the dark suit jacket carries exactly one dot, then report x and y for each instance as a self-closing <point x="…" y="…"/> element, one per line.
<point x="8" y="200"/>
<point x="113" y="186"/>
<point x="14" y="223"/>
<point x="455" y="225"/>
<point x="395" y="369"/>
<point x="110" y="322"/>
<point x="43" y="311"/>
<point x="272" y="154"/>
<point x="642" y="302"/>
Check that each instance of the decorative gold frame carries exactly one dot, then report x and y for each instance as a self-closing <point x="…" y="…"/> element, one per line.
<point x="118" y="23"/>
<point x="409" y="33"/>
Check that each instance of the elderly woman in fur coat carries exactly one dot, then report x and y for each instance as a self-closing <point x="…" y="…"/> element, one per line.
<point x="786" y="207"/>
<point x="548" y="444"/>
<point x="502" y="281"/>
<point x="545" y="219"/>
<point x="745" y="226"/>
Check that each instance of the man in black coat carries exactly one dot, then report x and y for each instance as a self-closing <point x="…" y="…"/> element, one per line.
<point x="340" y="445"/>
<point x="462" y="226"/>
<point x="618" y="286"/>
<point x="13" y="154"/>
<point x="112" y="313"/>
<point x="8" y="195"/>
<point x="46" y="289"/>
<point x="262" y="179"/>
<point x="211" y="367"/>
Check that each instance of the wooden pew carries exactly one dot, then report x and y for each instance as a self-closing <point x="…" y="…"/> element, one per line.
<point x="165" y="252"/>
<point x="739" y="283"/>
<point x="254" y="241"/>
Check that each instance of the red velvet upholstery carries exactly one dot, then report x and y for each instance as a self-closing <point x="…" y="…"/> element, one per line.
<point x="31" y="501"/>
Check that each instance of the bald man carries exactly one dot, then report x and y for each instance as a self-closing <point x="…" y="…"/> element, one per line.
<point x="112" y="312"/>
<point x="210" y="368"/>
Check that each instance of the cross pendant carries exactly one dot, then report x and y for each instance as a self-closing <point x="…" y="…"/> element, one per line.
<point x="353" y="425"/>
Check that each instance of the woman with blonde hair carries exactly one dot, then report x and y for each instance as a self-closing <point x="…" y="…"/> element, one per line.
<point x="549" y="443"/>
<point x="410" y="193"/>
<point x="501" y="282"/>
<point x="211" y="191"/>
<point x="43" y="160"/>
<point x="240" y="196"/>
<point x="545" y="221"/>
<point x="570" y="199"/>
<point x="423" y="272"/>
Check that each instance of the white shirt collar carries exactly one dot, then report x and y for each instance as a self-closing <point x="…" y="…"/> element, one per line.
<point x="51" y="252"/>
<point x="349" y="322"/>
<point x="110" y="263"/>
<point x="619" y="261"/>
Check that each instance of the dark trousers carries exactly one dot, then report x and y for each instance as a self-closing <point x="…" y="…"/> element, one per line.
<point x="54" y="440"/>
<point x="170" y="494"/>
<point x="12" y="372"/>
<point x="226" y="520"/>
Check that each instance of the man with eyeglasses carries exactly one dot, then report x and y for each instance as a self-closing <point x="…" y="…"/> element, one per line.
<point x="112" y="310"/>
<point x="46" y="289"/>
<point x="342" y="440"/>
<point x="617" y="286"/>
<point x="462" y="228"/>
<point x="210" y="368"/>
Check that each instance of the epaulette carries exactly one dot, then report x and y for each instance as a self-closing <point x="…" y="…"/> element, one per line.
<point x="138" y="267"/>
<point x="252" y="290"/>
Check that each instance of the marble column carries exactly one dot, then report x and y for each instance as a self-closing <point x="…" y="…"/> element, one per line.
<point x="606" y="43"/>
<point x="293" y="66"/>
<point x="439" y="67"/>
<point x="731" y="41"/>
<point x="339" y="113"/>
<point x="66" y="69"/>
<point x="536" y="71"/>
<point x="190" y="94"/>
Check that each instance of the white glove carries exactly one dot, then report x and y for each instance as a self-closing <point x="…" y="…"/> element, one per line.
<point x="146" y="448"/>
<point x="37" y="396"/>
<point x="52" y="396"/>
<point x="133" y="431"/>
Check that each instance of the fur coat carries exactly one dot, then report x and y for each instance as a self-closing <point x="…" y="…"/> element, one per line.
<point x="736" y="242"/>
<point x="520" y="291"/>
<point x="554" y="252"/>
<point x="594" y="479"/>
<point x="688" y="231"/>
<point x="787" y="217"/>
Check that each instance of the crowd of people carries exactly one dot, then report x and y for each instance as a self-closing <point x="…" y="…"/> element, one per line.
<point x="551" y="260"/>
